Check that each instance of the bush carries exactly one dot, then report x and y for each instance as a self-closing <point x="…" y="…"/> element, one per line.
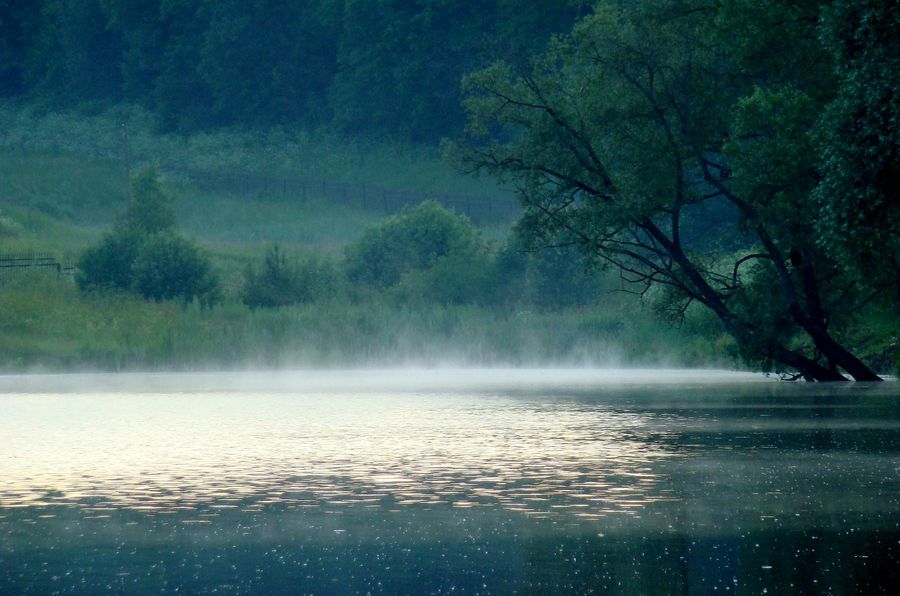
<point x="280" y="282"/>
<point x="550" y="279"/>
<point x="169" y="266"/>
<point x="413" y="240"/>
<point x="464" y="278"/>
<point x="145" y="255"/>
<point x="272" y="285"/>
<point x="109" y="264"/>
<point x="559" y="278"/>
<point x="317" y="279"/>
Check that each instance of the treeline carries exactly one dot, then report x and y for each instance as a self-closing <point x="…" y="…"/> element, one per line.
<point x="425" y="255"/>
<point x="374" y="67"/>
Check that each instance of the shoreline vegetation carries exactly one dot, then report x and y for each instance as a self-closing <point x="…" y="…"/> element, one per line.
<point x="421" y="314"/>
<point x="486" y="301"/>
<point x="50" y="326"/>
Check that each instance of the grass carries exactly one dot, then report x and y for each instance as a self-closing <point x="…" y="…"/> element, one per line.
<point x="49" y="325"/>
<point x="24" y="230"/>
<point x="129" y="134"/>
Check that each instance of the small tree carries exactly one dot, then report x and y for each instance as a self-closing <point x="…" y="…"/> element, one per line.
<point x="143" y="253"/>
<point x="282" y="281"/>
<point x="150" y="209"/>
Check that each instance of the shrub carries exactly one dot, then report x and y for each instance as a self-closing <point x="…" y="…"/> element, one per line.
<point x="280" y="282"/>
<point x="109" y="263"/>
<point x="318" y="278"/>
<point x="460" y="278"/>
<point x="559" y="277"/>
<point x="413" y="240"/>
<point x="145" y="255"/>
<point x="169" y="266"/>
<point x="274" y="284"/>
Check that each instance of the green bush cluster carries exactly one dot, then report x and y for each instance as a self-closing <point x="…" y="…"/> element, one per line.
<point x="427" y="254"/>
<point x="414" y="240"/>
<point x="281" y="281"/>
<point x="144" y="254"/>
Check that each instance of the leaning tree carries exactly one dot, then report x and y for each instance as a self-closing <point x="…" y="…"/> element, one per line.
<point x="672" y="140"/>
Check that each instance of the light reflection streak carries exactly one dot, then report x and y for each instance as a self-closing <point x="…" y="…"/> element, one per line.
<point x="164" y="453"/>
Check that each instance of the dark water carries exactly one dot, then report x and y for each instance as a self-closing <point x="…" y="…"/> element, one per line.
<point x="639" y="482"/>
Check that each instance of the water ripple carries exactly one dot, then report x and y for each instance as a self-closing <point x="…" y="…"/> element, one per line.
<point x="167" y="453"/>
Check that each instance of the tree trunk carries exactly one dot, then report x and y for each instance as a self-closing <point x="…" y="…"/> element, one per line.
<point x="808" y="368"/>
<point x="840" y="356"/>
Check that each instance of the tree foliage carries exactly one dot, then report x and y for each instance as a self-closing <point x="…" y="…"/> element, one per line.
<point x="647" y="113"/>
<point x="416" y="239"/>
<point x="282" y="281"/>
<point x="859" y="141"/>
<point x="363" y="66"/>
<point x="143" y="253"/>
<point x="170" y="267"/>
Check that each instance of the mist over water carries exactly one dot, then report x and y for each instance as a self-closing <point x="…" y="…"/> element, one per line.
<point x="487" y="481"/>
<point x="366" y="380"/>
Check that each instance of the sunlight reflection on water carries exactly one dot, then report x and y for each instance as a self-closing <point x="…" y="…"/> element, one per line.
<point x="633" y="482"/>
<point x="167" y="452"/>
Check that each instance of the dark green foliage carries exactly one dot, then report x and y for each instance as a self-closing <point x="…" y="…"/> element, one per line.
<point x="75" y="57"/>
<point x="364" y="66"/>
<point x="859" y="140"/>
<point x="169" y="267"/>
<point x="414" y="240"/>
<point x="274" y="284"/>
<point x="318" y="278"/>
<point x="18" y="31"/>
<point x="457" y="278"/>
<point x="283" y="54"/>
<point x="548" y="279"/>
<point x="559" y="278"/>
<point x="109" y="264"/>
<point x="281" y="281"/>
<point x="144" y="254"/>
<point x="431" y="254"/>
<point x="150" y="209"/>
<point x="651" y="108"/>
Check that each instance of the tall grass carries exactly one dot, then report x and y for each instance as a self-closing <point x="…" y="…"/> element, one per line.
<point x="49" y="325"/>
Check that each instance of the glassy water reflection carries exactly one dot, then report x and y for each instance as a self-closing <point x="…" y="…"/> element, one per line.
<point x="482" y="482"/>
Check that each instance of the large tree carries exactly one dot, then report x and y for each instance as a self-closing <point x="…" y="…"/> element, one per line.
<point x="671" y="139"/>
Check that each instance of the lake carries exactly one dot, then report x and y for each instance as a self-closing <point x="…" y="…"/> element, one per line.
<point x="468" y="481"/>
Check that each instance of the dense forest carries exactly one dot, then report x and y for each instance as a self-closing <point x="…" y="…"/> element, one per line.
<point x="731" y="167"/>
<point x="369" y="67"/>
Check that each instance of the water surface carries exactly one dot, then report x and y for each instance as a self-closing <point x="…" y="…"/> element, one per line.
<point x="435" y="481"/>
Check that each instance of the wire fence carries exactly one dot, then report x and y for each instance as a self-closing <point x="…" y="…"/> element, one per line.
<point x="481" y="209"/>
<point x="36" y="263"/>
